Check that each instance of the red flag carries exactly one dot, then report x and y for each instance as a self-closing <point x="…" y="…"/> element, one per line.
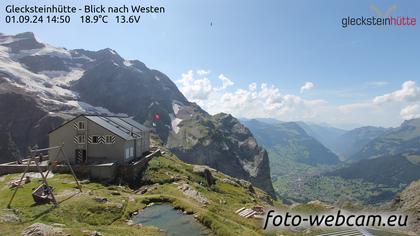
<point x="157" y="116"/>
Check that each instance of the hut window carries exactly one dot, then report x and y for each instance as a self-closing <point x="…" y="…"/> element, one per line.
<point x="81" y="125"/>
<point x="109" y="139"/>
<point x="81" y="139"/>
<point x="95" y="139"/>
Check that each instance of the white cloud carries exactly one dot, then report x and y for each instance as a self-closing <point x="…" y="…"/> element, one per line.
<point x="307" y="86"/>
<point x="388" y="108"/>
<point x="195" y="89"/>
<point x="226" y="82"/>
<point x="203" y="72"/>
<point x="252" y="86"/>
<point x="252" y="101"/>
<point x="410" y="112"/>
<point x="264" y="100"/>
<point x="409" y="92"/>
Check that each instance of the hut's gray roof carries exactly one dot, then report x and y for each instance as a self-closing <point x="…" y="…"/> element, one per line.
<point x="124" y="127"/>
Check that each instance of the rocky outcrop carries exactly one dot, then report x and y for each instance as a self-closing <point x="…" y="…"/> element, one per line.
<point x="204" y="172"/>
<point x="22" y="124"/>
<point x="224" y="144"/>
<point x="24" y="41"/>
<point x="9" y="215"/>
<point x="408" y="201"/>
<point x="39" y="229"/>
<point x="190" y="192"/>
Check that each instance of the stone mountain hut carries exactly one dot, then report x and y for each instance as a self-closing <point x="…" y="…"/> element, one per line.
<point x="92" y="139"/>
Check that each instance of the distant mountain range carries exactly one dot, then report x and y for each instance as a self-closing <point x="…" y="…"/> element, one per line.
<point x="392" y="158"/>
<point x="43" y="85"/>
<point x="351" y="142"/>
<point x="404" y="139"/>
<point x="327" y="135"/>
<point x="344" y="143"/>
<point x="301" y="159"/>
<point x="291" y="142"/>
<point x="389" y="170"/>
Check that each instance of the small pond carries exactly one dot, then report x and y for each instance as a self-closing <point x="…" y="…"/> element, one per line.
<point x="172" y="221"/>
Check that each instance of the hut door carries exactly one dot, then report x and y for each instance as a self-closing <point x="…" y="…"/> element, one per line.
<point x="80" y="156"/>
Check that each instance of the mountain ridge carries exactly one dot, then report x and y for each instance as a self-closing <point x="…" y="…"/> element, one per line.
<point x="400" y="140"/>
<point x="351" y="142"/>
<point x="272" y="135"/>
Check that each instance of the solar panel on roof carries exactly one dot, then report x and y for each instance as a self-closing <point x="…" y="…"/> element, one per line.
<point x="119" y="126"/>
<point x="134" y="123"/>
<point x="128" y="128"/>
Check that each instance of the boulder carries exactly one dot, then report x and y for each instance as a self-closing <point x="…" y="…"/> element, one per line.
<point x="115" y="193"/>
<point x="229" y="181"/>
<point x="101" y="199"/>
<point x="8" y="215"/>
<point x="194" y="194"/>
<point x="209" y="177"/>
<point x="39" y="229"/>
<point x="96" y="233"/>
<point x="205" y="172"/>
<point x="251" y="189"/>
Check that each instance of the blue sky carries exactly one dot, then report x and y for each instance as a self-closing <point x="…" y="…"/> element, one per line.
<point x="283" y="44"/>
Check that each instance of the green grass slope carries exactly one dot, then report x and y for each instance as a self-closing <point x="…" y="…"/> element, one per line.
<point x="80" y="212"/>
